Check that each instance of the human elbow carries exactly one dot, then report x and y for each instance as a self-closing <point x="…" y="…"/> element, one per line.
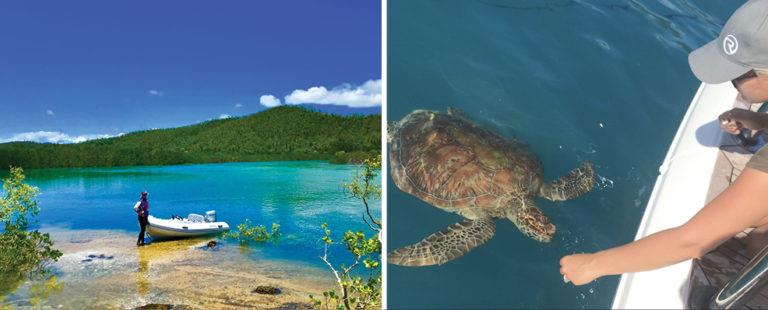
<point x="699" y="250"/>
<point x="694" y="245"/>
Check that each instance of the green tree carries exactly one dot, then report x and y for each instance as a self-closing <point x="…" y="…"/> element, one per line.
<point x="359" y="282"/>
<point x="365" y="186"/>
<point x="23" y="254"/>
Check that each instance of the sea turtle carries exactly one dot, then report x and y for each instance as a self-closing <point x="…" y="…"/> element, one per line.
<point x="458" y="166"/>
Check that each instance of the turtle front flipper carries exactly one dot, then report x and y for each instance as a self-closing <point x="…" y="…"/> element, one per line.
<point x="445" y="245"/>
<point x="572" y="185"/>
<point x="532" y="222"/>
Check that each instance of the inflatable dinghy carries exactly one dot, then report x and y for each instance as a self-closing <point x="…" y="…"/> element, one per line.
<point x="193" y="225"/>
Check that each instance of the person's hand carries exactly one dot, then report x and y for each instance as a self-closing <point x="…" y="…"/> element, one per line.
<point x="729" y="123"/>
<point x="578" y="268"/>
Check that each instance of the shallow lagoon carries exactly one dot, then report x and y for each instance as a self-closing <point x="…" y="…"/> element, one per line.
<point x="89" y="211"/>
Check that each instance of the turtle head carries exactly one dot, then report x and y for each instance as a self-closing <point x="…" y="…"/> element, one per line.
<point x="533" y="223"/>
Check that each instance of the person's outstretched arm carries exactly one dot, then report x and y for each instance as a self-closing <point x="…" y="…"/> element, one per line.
<point x="743" y="204"/>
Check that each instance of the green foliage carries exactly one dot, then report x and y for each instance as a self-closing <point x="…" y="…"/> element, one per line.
<point x="365" y="186"/>
<point x="356" y="291"/>
<point x="17" y="203"/>
<point x="359" y="283"/>
<point x="280" y="133"/>
<point x="23" y="254"/>
<point x="247" y="233"/>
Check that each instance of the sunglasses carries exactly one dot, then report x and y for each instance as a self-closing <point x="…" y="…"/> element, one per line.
<point x="750" y="74"/>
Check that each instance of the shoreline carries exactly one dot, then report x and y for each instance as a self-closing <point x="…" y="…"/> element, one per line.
<point x="105" y="269"/>
<point x="4" y="171"/>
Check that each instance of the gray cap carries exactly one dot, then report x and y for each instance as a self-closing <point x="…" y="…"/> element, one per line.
<point x="741" y="46"/>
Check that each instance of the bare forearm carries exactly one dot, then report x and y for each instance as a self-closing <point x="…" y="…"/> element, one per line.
<point x="661" y="249"/>
<point x="741" y="205"/>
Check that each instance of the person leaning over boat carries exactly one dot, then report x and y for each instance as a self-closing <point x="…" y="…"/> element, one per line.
<point x="142" y="210"/>
<point x="739" y="54"/>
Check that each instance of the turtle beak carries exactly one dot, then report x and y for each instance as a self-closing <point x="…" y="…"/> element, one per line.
<point x="536" y="225"/>
<point x="548" y="232"/>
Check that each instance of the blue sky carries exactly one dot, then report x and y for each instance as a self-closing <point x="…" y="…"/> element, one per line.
<point x="85" y="68"/>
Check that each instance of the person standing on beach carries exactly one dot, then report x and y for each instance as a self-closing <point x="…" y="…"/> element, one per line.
<point x="142" y="210"/>
<point x="739" y="55"/>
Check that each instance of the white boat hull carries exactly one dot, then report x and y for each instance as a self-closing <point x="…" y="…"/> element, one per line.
<point x="680" y="191"/>
<point x="165" y="228"/>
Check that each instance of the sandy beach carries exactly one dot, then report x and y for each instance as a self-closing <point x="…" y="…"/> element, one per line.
<point x="104" y="269"/>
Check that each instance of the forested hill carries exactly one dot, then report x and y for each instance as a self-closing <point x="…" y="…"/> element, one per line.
<point x="281" y="133"/>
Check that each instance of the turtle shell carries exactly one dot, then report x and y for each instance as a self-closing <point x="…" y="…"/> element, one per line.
<point x="452" y="163"/>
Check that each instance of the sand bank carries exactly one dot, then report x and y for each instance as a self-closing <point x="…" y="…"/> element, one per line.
<point x="104" y="269"/>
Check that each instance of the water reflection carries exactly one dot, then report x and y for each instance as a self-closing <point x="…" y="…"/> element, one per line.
<point x="160" y="252"/>
<point x="41" y="290"/>
<point x="142" y="274"/>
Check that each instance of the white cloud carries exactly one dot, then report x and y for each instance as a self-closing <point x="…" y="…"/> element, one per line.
<point x="238" y="105"/>
<point x="269" y="101"/>
<point x="50" y="112"/>
<point x="155" y="92"/>
<point x="52" y="137"/>
<point x="366" y="95"/>
<point x="225" y="116"/>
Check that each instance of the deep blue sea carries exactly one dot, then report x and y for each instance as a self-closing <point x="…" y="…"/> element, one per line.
<point x="299" y="196"/>
<point x="603" y="81"/>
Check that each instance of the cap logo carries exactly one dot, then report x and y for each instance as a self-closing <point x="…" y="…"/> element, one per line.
<point x="730" y="45"/>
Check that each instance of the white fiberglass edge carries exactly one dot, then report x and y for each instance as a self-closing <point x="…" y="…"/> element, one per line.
<point x="680" y="191"/>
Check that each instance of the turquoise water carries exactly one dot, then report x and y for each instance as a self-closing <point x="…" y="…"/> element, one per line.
<point x="604" y="81"/>
<point x="297" y="195"/>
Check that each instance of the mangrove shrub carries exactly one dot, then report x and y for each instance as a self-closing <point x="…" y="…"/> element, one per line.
<point x="359" y="281"/>
<point x="24" y="254"/>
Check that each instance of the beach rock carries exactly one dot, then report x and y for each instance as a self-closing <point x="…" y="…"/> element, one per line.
<point x="266" y="290"/>
<point x="212" y="244"/>
<point x="91" y="257"/>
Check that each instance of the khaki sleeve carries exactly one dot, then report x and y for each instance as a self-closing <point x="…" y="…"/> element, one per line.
<point x="759" y="161"/>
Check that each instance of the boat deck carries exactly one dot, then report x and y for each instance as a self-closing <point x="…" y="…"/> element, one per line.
<point x="713" y="271"/>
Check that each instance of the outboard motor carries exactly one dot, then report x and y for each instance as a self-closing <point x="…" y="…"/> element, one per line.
<point x="210" y="216"/>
